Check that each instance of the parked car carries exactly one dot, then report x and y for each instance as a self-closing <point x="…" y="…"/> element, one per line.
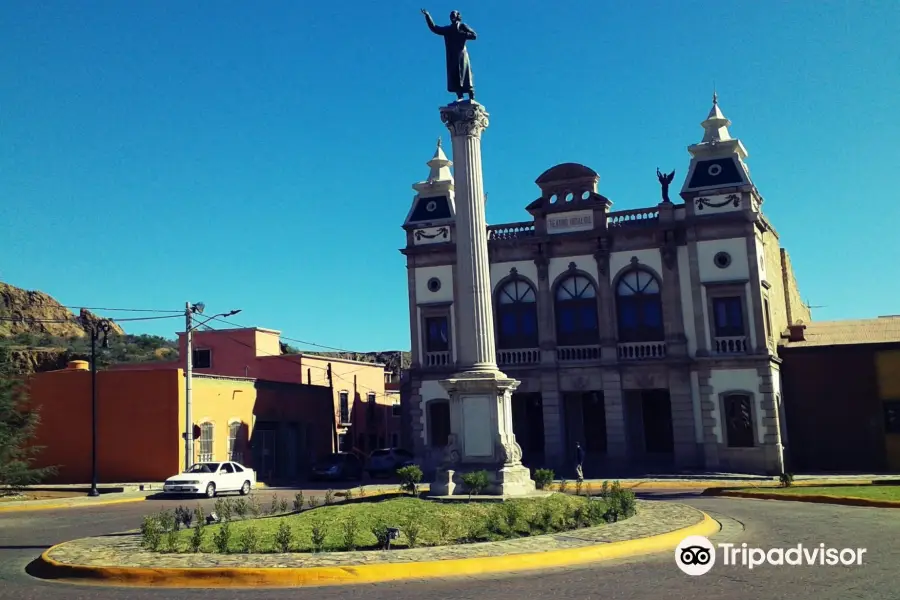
<point x="340" y="465"/>
<point x="211" y="478"/>
<point x="385" y="462"/>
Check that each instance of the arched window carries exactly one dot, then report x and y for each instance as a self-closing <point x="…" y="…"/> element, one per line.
<point x="234" y="446"/>
<point x="576" y="312"/>
<point x="207" y="430"/>
<point x="517" y="315"/>
<point x="639" y="307"/>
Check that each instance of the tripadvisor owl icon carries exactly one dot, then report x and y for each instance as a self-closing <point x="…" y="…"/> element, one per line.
<point x="695" y="555"/>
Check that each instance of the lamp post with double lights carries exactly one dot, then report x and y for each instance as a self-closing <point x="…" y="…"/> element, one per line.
<point x="95" y="328"/>
<point x="189" y="311"/>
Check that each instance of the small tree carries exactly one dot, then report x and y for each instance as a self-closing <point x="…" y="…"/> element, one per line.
<point x="410" y="477"/>
<point x="18" y="423"/>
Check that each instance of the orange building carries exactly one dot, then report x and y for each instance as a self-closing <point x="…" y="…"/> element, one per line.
<point x="365" y="415"/>
<point x="272" y="427"/>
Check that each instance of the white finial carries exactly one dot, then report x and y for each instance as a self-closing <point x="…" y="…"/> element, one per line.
<point x="439" y="143"/>
<point x="715" y="127"/>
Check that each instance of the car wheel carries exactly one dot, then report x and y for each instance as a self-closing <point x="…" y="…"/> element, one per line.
<point x="245" y="489"/>
<point x="211" y="490"/>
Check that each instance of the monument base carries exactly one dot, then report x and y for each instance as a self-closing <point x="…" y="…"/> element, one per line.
<point x="509" y="480"/>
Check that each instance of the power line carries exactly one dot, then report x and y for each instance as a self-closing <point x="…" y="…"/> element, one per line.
<point x="292" y="339"/>
<point x="74" y="320"/>
<point x="152" y="310"/>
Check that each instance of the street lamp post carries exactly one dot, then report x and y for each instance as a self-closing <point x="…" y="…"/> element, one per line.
<point x="189" y="311"/>
<point x="95" y="328"/>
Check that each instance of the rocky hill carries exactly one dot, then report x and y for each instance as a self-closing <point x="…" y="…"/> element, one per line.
<point x="37" y="333"/>
<point x="30" y="312"/>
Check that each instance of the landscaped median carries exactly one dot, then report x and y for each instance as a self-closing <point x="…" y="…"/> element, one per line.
<point x="873" y="495"/>
<point x="346" y="542"/>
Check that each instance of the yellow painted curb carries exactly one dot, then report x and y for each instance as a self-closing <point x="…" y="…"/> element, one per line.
<point x="707" y="484"/>
<point x="370" y="573"/>
<point x="815" y="499"/>
<point x="69" y="505"/>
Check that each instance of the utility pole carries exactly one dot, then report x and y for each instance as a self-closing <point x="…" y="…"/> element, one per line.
<point x="188" y="371"/>
<point x="189" y="327"/>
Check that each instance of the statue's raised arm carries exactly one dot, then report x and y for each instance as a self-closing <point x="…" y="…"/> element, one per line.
<point x="430" y="22"/>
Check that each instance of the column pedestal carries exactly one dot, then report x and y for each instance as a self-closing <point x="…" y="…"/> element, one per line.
<point x="481" y="433"/>
<point x="482" y="438"/>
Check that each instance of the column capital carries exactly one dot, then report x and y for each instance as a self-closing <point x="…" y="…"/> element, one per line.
<point x="467" y="118"/>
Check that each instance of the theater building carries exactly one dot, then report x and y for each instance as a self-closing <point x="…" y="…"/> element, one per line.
<point x="649" y="335"/>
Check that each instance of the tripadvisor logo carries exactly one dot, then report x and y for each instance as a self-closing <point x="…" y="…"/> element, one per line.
<point x="696" y="555"/>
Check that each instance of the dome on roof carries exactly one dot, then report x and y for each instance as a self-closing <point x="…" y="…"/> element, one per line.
<point x="565" y="172"/>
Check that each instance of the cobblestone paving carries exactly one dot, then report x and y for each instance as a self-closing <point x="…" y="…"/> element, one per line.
<point x="652" y="518"/>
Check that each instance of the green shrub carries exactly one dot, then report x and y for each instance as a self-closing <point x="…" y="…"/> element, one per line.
<point x="168" y="523"/>
<point x="543" y="478"/>
<point x="283" y="537"/>
<point x="476" y="482"/>
<point x="350" y="530"/>
<point x="254" y="507"/>
<point x="445" y="528"/>
<point x="563" y="485"/>
<point x="495" y="519"/>
<point x="151" y="533"/>
<point x="298" y="501"/>
<point x="411" y="527"/>
<point x="579" y="518"/>
<point x="596" y="511"/>
<point x="313" y="502"/>
<point x="184" y="516"/>
<point x="621" y="503"/>
<point x="224" y="509"/>
<point x="786" y="479"/>
<point x="329" y="497"/>
<point x="197" y="537"/>
<point x="348" y="495"/>
<point x="222" y="538"/>
<point x="240" y="507"/>
<point x="548" y="517"/>
<point x="249" y="540"/>
<point x="199" y="516"/>
<point x="578" y="484"/>
<point x="382" y="534"/>
<point x="512" y="514"/>
<point x="588" y="489"/>
<point x="317" y="535"/>
<point x="362" y="491"/>
<point x="474" y="529"/>
<point x="410" y="478"/>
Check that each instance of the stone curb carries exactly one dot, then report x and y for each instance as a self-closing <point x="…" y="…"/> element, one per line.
<point x="814" y="499"/>
<point x="371" y="573"/>
<point x="28" y="506"/>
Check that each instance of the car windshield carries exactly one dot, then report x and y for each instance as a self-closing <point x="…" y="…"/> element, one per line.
<point x="203" y="468"/>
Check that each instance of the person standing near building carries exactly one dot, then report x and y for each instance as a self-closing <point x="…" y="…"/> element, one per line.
<point x="579" y="461"/>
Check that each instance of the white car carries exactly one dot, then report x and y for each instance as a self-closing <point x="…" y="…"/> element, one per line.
<point x="210" y="478"/>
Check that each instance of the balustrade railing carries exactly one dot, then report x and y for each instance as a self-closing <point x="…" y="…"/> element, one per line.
<point x="730" y="344"/>
<point x="638" y="216"/>
<point x="437" y="359"/>
<point x="577" y="353"/>
<point x="511" y="231"/>
<point x="642" y="350"/>
<point x="521" y="356"/>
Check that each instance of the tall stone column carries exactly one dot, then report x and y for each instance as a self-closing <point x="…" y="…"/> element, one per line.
<point x="481" y="433"/>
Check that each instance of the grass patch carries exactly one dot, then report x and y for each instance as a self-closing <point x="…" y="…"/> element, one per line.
<point x="869" y="492"/>
<point x="346" y="526"/>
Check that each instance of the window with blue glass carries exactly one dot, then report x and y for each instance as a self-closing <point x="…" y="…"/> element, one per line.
<point x="517" y="315"/>
<point x="728" y="315"/>
<point x="437" y="334"/>
<point x="639" y="307"/>
<point x="576" y="312"/>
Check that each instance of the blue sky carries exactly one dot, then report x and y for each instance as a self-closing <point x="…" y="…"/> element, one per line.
<point x="260" y="155"/>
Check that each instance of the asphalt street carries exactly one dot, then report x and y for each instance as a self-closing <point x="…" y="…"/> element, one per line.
<point x="759" y="523"/>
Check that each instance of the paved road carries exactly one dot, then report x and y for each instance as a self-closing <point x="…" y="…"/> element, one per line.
<point x="759" y="523"/>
